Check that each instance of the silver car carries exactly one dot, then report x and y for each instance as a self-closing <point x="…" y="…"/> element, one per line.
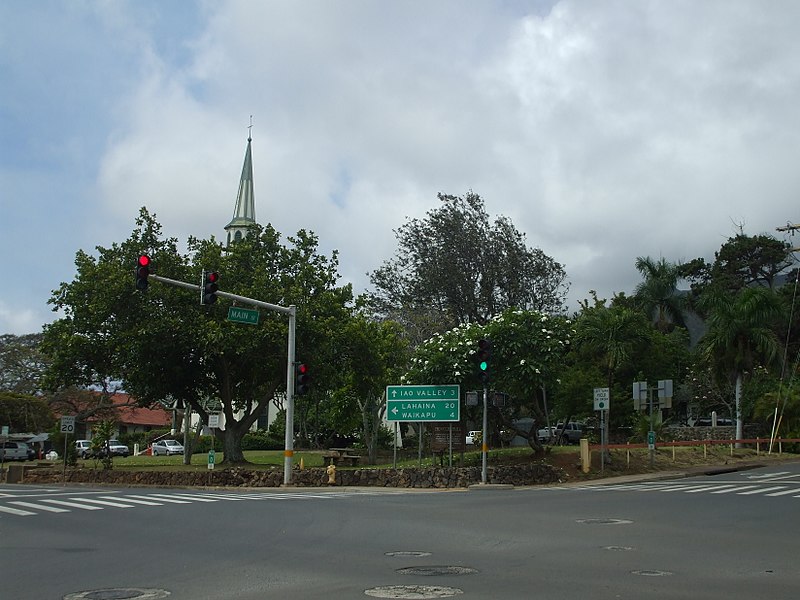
<point x="167" y="447"/>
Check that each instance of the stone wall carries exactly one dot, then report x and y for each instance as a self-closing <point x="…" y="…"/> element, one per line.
<point x="688" y="434"/>
<point x="437" y="477"/>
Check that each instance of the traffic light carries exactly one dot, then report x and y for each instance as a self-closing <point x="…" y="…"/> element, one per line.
<point x="301" y="379"/>
<point x="208" y="293"/>
<point x="483" y="357"/>
<point x="142" y="272"/>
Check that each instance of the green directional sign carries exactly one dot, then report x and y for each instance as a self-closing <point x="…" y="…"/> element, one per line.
<point x="423" y="403"/>
<point x="243" y="315"/>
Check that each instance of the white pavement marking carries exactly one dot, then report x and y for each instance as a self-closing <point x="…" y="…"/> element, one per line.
<point x="737" y="488"/>
<point x="196" y="498"/>
<point x="133" y="500"/>
<point x="761" y="490"/>
<point x="160" y="499"/>
<point x="39" y="506"/>
<point x="71" y="504"/>
<point x="784" y="492"/>
<point x="15" y="511"/>
<point x="102" y="502"/>
<point x="701" y="489"/>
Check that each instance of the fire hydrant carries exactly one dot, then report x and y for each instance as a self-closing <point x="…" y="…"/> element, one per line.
<point x="331" y="471"/>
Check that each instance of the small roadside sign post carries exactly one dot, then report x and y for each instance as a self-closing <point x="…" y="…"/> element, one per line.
<point x="602" y="401"/>
<point x="213" y="423"/>
<point x="67" y="427"/>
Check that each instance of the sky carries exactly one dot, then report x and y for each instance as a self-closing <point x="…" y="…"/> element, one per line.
<point x="605" y="130"/>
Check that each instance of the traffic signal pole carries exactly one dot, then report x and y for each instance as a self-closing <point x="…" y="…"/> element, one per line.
<point x="288" y="453"/>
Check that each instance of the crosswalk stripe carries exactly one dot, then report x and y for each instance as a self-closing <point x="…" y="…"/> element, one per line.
<point x="761" y="490"/>
<point x="186" y="497"/>
<point x="730" y="489"/>
<point x="133" y="500"/>
<point x="160" y="499"/>
<point x="15" y="511"/>
<point x="784" y="492"/>
<point x="71" y="504"/>
<point x="39" y="506"/>
<point x="701" y="489"/>
<point x="103" y="502"/>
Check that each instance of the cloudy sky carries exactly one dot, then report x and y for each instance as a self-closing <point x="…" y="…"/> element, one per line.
<point x="605" y="130"/>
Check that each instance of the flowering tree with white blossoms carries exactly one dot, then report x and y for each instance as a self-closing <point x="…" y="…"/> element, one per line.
<point x="527" y="349"/>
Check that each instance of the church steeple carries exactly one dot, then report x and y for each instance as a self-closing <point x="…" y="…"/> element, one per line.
<point x="244" y="214"/>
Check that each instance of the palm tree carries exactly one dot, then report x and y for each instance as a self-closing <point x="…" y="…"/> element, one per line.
<point x="657" y="294"/>
<point x="614" y="333"/>
<point x="740" y="335"/>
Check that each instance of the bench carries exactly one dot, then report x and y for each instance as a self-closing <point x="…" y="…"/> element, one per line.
<point x="340" y="457"/>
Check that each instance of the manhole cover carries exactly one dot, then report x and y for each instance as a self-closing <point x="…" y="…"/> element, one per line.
<point x="604" y="521"/>
<point x="119" y="594"/>
<point x="651" y="573"/>
<point x="436" y="570"/>
<point x="408" y="553"/>
<point x="413" y="591"/>
<point x="618" y="548"/>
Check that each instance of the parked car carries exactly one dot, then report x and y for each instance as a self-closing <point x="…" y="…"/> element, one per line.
<point x="571" y="433"/>
<point x="167" y="447"/>
<point x="83" y="448"/>
<point x="547" y="434"/>
<point x="16" y="451"/>
<point x="115" y="448"/>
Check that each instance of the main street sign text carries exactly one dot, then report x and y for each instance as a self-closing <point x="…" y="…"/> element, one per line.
<point x="423" y="403"/>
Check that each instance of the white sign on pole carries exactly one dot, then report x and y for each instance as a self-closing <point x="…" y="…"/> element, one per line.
<point x="602" y="398"/>
<point x="213" y="421"/>
<point x="67" y="424"/>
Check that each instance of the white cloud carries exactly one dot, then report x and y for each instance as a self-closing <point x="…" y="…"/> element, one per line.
<point x="604" y="130"/>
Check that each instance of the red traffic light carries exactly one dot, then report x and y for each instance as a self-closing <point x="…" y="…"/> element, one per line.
<point x="142" y="271"/>
<point x="302" y="379"/>
<point x="212" y="277"/>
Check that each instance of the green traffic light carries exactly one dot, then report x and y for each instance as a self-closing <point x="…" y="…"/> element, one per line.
<point x="484" y="365"/>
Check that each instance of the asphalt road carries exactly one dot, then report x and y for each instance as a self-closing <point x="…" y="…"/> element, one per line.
<point x="730" y="536"/>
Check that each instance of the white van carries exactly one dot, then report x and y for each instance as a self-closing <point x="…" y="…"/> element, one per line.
<point x="16" y="451"/>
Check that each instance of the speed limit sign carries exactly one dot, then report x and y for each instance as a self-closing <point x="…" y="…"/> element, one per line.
<point x="67" y="424"/>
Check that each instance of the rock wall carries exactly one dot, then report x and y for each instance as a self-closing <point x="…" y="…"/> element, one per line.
<point x="438" y="477"/>
<point x="687" y="434"/>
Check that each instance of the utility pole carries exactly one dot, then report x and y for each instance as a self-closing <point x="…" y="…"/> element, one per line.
<point x="790" y="227"/>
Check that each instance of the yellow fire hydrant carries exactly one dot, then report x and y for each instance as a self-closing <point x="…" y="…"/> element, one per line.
<point x="331" y="471"/>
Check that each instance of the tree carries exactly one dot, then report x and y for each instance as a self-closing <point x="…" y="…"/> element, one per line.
<point x="162" y="344"/>
<point x="22" y="364"/>
<point x="464" y="268"/>
<point x="527" y="349"/>
<point x="24" y="414"/>
<point x="377" y="356"/>
<point x="740" y="335"/>
<point x="658" y="294"/>
<point x="741" y="261"/>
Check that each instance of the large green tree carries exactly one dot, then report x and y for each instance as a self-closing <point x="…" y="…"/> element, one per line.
<point x="162" y="344"/>
<point x="22" y="364"/>
<point x="456" y="266"/>
<point x="527" y="348"/>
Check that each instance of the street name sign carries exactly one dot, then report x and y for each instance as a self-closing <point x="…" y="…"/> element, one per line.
<point x="243" y="315"/>
<point x="423" y="403"/>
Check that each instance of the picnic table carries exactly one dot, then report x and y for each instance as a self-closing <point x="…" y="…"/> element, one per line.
<point x="341" y="457"/>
